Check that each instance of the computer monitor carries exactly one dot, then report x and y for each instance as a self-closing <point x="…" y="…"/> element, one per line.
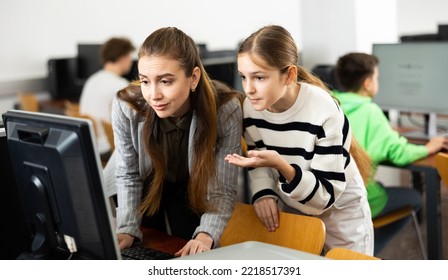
<point x="133" y="73"/>
<point x="57" y="172"/>
<point x="16" y="238"/>
<point x="89" y="60"/>
<point x="413" y="76"/>
<point x="221" y="66"/>
<point x="63" y="81"/>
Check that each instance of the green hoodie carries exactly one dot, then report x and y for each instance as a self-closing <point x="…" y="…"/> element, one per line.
<point x="373" y="132"/>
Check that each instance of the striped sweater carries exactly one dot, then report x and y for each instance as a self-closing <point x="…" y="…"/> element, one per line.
<point x="314" y="137"/>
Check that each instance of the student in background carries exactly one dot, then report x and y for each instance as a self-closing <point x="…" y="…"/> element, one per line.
<point x="173" y="130"/>
<point x="101" y="87"/>
<point x="357" y="74"/>
<point x="299" y="142"/>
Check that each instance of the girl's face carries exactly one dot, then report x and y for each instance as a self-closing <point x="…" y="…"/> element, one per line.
<point x="264" y="86"/>
<point x="165" y="86"/>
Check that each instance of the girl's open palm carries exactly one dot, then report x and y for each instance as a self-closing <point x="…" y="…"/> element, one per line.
<point x="265" y="158"/>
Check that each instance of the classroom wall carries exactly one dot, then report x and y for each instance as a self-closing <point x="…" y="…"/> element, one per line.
<point x="333" y="28"/>
<point x="417" y="16"/>
<point x="31" y="32"/>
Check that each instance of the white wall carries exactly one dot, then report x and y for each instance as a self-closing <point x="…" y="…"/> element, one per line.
<point x="334" y="28"/>
<point x="31" y="32"/>
<point x="420" y="16"/>
<point x="376" y="22"/>
<point x="329" y="30"/>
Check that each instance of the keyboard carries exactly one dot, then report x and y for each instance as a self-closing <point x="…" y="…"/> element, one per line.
<point x="142" y="253"/>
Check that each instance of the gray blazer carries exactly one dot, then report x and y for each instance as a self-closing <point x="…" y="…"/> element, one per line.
<point x="132" y="164"/>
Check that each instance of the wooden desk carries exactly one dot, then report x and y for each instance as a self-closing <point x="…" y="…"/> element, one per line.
<point x="161" y="241"/>
<point x="431" y="186"/>
<point x="52" y="106"/>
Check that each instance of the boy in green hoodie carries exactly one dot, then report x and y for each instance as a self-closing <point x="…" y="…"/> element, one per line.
<point x="357" y="74"/>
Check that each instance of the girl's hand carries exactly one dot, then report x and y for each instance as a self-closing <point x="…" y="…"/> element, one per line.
<point x="267" y="211"/>
<point x="264" y="158"/>
<point x="203" y="242"/>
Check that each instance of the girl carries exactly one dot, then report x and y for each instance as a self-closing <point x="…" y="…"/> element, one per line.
<point x="172" y="132"/>
<point x="300" y="140"/>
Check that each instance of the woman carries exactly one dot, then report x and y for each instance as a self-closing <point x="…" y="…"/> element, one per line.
<point x="300" y="141"/>
<point x="172" y="132"/>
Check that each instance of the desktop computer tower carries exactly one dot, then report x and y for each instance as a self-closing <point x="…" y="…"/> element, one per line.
<point x="15" y="237"/>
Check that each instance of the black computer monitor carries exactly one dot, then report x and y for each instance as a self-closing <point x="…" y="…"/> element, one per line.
<point x="133" y="73"/>
<point x="221" y="66"/>
<point x="89" y="60"/>
<point x="57" y="171"/>
<point x="14" y="236"/>
<point x="63" y="81"/>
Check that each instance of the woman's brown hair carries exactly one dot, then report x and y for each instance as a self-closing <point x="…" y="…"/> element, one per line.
<point x="175" y="44"/>
<point x="274" y="46"/>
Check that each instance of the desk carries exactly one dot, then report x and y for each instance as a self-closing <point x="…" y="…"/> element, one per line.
<point x="52" y="106"/>
<point x="253" y="250"/>
<point x="250" y="250"/>
<point x="161" y="241"/>
<point x="431" y="187"/>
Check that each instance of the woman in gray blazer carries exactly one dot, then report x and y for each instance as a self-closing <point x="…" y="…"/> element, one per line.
<point x="173" y="129"/>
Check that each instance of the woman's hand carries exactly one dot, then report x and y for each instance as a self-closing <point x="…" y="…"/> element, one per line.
<point x="125" y="240"/>
<point x="267" y="211"/>
<point x="203" y="242"/>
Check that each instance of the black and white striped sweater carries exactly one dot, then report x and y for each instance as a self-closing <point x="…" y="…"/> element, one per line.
<point x="313" y="136"/>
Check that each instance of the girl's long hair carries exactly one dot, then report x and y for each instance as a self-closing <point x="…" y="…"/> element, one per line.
<point x="173" y="43"/>
<point x="274" y="46"/>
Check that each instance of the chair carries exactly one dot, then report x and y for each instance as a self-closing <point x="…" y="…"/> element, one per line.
<point x="296" y="231"/>
<point x="28" y="102"/>
<point x="71" y="109"/>
<point x="397" y="215"/>
<point x="441" y="161"/>
<point x="347" y="254"/>
<point x="110" y="133"/>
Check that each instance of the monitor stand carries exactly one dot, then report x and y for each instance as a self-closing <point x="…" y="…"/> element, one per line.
<point x="46" y="240"/>
<point x="430" y="128"/>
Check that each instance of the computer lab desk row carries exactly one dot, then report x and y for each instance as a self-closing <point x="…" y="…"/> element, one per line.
<point x="429" y="183"/>
<point x="250" y="250"/>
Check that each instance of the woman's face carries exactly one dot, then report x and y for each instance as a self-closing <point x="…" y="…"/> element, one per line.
<point x="264" y="86"/>
<point x="165" y="85"/>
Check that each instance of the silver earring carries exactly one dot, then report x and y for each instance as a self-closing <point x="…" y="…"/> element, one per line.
<point x="193" y="90"/>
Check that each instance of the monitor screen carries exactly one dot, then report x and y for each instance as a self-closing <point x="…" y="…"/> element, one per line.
<point x="60" y="185"/>
<point x="413" y="76"/>
<point x="63" y="82"/>
<point x="221" y="66"/>
<point x="89" y="60"/>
